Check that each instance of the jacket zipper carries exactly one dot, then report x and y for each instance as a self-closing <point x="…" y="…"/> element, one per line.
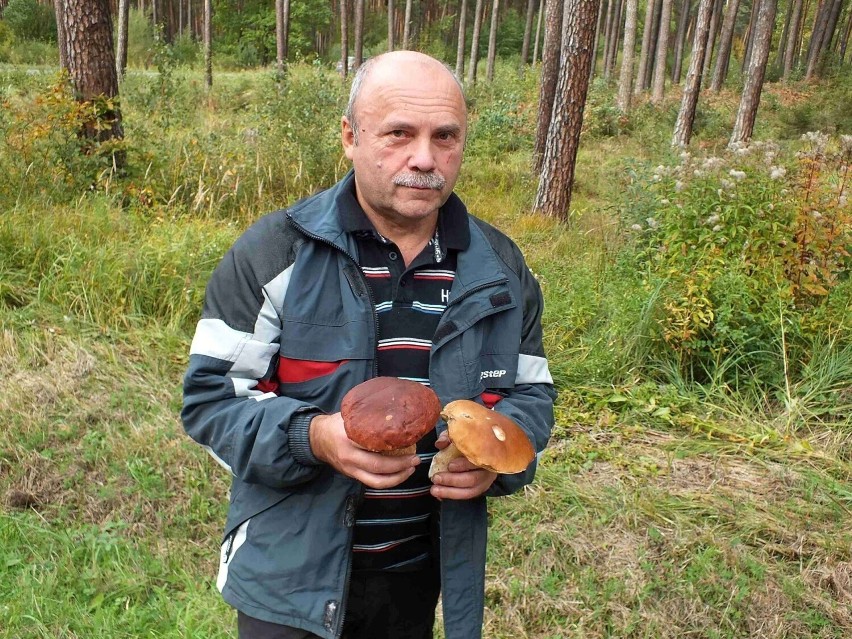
<point x="350" y="503"/>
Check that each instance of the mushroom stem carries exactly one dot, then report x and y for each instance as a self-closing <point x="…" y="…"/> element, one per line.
<point x="442" y="459"/>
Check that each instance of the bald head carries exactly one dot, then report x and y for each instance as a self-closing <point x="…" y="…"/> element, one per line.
<point x="394" y="67"/>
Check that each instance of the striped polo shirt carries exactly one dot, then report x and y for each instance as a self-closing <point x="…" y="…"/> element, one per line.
<point x="393" y="529"/>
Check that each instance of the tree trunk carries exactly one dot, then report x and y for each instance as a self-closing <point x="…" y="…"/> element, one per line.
<point x="726" y="40"/>
<point x="616" y="38"/>
<point x="460" y="45"/>
<point x="647" y="72"/>
<point x="752" y="21"/>
<point x="474" y="43"/>
<point x="121" y="53"/>
<point x="538" y="29"/>
<point x="680" y="41"/>
<point x="792" y="40"/>
<point x="525" y="46"/>
<point x="549" y="77"/>
<point x="646" y="43"/>
<point x="344" y="39"/>
<point x="715" y="19"/>
<point x="553" y="197"/>
<point x="844" y="43"/>
<point x="747" y="112"/>
<point x="831" y="27"/>
<point x="91" y="67"/>
<point x="692" y="83"/>
<point x="282" y="29"/>
<point x="61" y="40"/>
<point x="610" y="18"/>
<point x="406" y="28"/>
<point x="659" y="83"/>
<point x="390" y="25"/>
<point x="625" y="79"/>
<point x="785" y="32"/>
<point x="359" y="34"/>
<point x="596" y="40"/>
<point x="492" y="41"/>
<point x="208" y="44"/>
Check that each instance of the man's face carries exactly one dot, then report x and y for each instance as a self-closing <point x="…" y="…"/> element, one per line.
<point x="411" y="120"/>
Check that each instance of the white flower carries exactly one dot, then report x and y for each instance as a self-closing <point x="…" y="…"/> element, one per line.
<point x="816" y="215"/>
<point x="698" y="173"/>
<point x="726" y="184"/>
<point x="712" y="219"/>
<point x="717" y="228"/>
<point x="679" y="186"/>
<point x="636" y="227"/>
<point x="737" y="175"/>
<point x="664" y="202"/>
<point x="652" y="223"/>
<point x="777" y="172"/>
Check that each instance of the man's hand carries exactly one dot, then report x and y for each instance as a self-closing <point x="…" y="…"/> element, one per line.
<point x="330" y="444"/>
<point x="463" y="481"/>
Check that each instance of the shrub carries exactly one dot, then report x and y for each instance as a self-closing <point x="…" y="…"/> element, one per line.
<point x="30" y="20"/>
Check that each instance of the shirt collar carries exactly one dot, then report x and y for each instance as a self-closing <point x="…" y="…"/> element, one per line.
<point x="452" y="232"/>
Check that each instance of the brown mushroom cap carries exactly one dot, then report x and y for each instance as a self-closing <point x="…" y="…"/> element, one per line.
<point x="384" y="414"/>
<point x="487" y="438"/>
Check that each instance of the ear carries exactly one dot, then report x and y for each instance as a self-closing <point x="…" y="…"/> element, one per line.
<point x="347" y="137"/>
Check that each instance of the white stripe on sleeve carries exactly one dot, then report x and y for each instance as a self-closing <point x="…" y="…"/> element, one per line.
<point x="533" y="370"/>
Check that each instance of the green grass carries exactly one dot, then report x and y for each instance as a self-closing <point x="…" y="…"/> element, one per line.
<point x="663" y="507"/>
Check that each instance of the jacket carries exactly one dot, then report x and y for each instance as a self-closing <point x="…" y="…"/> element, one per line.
<point x="288" y="327"/>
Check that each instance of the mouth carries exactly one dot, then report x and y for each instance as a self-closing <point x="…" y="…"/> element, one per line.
<point x="420" y="181"/>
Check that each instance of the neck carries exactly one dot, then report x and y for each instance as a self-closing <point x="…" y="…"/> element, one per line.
<point x="410" y="237"/>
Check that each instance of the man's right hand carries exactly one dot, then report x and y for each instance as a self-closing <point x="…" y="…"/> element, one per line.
<point x="330" y="444"/>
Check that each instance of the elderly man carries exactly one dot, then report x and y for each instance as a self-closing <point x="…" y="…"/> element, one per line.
<point x="387" y="274"/>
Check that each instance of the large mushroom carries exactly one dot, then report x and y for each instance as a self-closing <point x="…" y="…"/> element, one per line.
<point x="389" y="415"/>
<point x="488" y="439"/>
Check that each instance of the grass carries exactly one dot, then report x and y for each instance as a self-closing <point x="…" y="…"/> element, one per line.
<point x="663" y="507"/>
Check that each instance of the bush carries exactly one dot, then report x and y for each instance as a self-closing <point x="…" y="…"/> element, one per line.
<point x="751" y="255"/>
<point x="30" y="20"/>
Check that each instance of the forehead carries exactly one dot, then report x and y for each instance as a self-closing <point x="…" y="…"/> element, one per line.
<point x="414" y="92"/>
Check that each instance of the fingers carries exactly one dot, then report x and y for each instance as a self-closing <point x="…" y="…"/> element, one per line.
<point x="462" y="484"/>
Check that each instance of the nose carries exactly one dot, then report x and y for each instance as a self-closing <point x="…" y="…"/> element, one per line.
<point x="422" y="156"/>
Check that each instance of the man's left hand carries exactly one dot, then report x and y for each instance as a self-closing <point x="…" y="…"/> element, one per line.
<point x="463" y="481"/>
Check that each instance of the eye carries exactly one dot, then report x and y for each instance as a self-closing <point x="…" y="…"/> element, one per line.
<point x="397" y="133"/>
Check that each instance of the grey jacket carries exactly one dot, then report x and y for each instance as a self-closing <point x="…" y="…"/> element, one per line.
<point x="287" y="328"/>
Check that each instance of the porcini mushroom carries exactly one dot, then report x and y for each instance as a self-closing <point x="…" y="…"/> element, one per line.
<point x="388" y="415"/>
<point x="488" y="439"/>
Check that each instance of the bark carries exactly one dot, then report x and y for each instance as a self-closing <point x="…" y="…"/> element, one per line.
<point x="747" y="112"/>
<point x="715" y="20"/>
<point x="406" y="28"/>
<point x="492" y="41"/>
<point x="460" y="47"/>
<point x="659" y="83"/>
<point x="680" y="41"/>
<point x="390" y="25"/>
<point x="121" y="52"/>
<point x="549" y="77"/>
<point x="344" y="39"/>
<point x="553" y="197"/>
<point x="61" y="40"/>
<point x="652" y="49"/>
<point x="782" y="42"/>
<point x="844" y="43"/>
<point x="726" y="40"/>
<point x="282" y="31"/>
<point x="91" y="67"/>
<point x="525" y="46"/>
<point x="625" y="79"/>
<point x="646" y="43"/>
<point x="815" y="47"/>
<point x="474" y="43"/>
<point x="358" y="53"/>
<point x="792" y="40"/>
<point x="692" y="83"/>
<point x="616" y="38"/>
<point x="596" y="40"/>
<point x="208" y="44"/>
<point x="831" y="27"/>
<point x="610" y="18"/>
<point x="752" y="21"/>
<point x="538" y="30"/>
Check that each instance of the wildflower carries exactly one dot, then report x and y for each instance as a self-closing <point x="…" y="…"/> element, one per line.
<point x="846" y="144"/>
<point x="816" y="215"/>
<point x="777" y="172"/>
<point x="711" y="163"/>
<point x="652" y="223"/>
<point x="712" y="219"/>
<point x="717" y="228"/>
<point x="737" y="175"/>
<point x="679" y="186"/>
<point x="655" y="178"/>
<point x="636" y="227"/>
<point x="698" y="173"/>
<point x="726" y="184"/>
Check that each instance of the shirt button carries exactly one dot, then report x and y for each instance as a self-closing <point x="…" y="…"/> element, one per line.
<point x="392" y="255"/>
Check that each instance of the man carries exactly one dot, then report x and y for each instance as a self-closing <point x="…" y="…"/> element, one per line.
<point x="383" y="274"/>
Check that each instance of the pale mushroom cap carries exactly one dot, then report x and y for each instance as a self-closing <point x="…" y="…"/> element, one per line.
<point x="387" y="413"/>
<point x="488" y="439"/>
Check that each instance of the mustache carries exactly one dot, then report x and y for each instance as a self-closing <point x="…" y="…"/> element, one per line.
<point x="421" y="180"/>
